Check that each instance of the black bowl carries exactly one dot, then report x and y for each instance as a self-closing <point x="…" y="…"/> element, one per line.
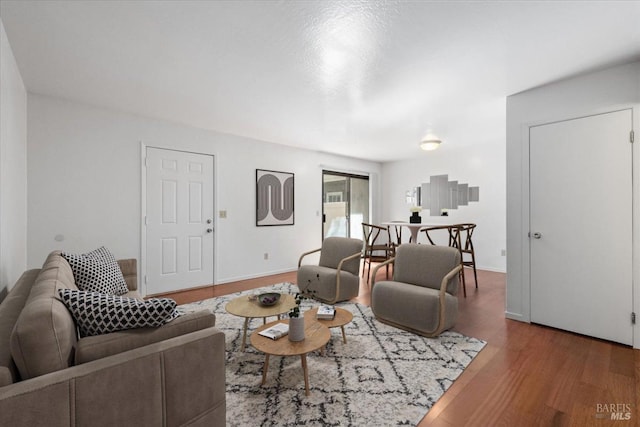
<point x="270" y="298"/>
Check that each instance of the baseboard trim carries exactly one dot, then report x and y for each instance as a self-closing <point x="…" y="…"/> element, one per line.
<point x="515" y="316"/>
<point x="495" y="270"/>
<point x="254" y="276"/>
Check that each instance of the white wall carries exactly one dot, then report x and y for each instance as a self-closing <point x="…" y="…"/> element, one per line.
<point x="13" y="166"/>
<point x="85" y="184"/>
<point x="482" y="165"/>
<point x="587" y="94"/>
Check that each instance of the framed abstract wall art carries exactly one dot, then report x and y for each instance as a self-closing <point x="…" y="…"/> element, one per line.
<point x="274" y="198"/>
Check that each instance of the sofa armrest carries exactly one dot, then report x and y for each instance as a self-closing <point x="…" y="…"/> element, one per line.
<point x="174" y="382"/>
<point x="129" y="268"/>
<point x="99" y="346"/>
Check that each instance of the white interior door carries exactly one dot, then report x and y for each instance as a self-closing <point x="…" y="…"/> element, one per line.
<point x="581" y="225"/>
<point x="179" y="220"/>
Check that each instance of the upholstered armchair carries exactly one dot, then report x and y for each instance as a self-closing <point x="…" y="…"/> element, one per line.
<point x="422" y="297"/>
<point x="336" y="277"/>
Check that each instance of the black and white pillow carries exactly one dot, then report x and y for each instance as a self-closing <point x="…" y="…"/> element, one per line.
<point x="97" y="271"/>
<point x="97" y="313"/>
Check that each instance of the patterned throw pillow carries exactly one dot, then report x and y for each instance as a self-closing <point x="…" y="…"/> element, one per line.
<point x="97" y="314"/>
<point x="97" y="271"/>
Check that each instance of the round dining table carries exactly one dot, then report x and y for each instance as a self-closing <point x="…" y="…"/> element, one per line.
<point x="414" y="227"/>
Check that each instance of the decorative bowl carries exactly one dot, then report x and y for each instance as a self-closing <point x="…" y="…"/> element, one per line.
<point x="270" y="298"/>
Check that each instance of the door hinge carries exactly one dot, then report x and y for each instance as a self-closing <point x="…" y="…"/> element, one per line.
<point x="633" y="318"/>
<point x="145" y="279"/>
<point x="631" y="136"/>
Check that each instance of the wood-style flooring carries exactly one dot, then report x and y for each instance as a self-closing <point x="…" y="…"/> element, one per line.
<point x="527" y="375"/>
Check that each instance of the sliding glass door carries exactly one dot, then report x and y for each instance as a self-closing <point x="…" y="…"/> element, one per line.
<point x="345" y="204"/>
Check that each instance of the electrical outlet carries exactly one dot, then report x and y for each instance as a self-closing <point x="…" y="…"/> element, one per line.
<point x="223" y="214"/>
<point x="266" y="255"/>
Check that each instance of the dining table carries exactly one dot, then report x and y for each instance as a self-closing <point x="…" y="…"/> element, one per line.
<point x="414" y="227"/>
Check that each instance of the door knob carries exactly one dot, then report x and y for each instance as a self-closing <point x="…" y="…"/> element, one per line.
<point x="209" y="221"/>
<point x="209" y="230"/>
<point x="537" y="235"/>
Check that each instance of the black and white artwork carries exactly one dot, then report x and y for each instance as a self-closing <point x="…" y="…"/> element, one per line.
<point x="274" y="198"/>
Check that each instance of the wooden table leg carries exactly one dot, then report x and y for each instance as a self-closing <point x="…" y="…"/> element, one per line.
<point x="303" y="357"/>
<point x="344" y="336"/>
<point x="265" y="369"/>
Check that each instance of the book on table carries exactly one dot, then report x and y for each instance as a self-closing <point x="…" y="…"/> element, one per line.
<point x="326" y="312"/>
<point x="276" y="331"/>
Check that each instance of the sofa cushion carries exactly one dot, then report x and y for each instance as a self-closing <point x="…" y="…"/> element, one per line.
<point x="97" y="271"/>
<point x="410" y="306"/>
<point x="99" y="346"/>
<point x="97" y="313"/>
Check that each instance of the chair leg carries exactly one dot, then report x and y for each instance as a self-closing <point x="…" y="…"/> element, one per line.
<point x="475" y="275"/>
<point x="364" y="265"/>
<point x="464" y="285"/>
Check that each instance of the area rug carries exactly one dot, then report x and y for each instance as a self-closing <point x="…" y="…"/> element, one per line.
<point x="382" y="376"/>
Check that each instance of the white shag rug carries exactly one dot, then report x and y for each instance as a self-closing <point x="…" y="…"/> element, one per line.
<point x="382" y="376"/>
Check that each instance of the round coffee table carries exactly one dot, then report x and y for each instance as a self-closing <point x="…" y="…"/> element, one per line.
<point x="244" y="307"/>
<point x="316" y="336"/>
<point x="341" y="318"/>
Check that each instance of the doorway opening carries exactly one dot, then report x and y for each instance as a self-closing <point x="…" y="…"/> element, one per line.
<point x="345" y="204"/>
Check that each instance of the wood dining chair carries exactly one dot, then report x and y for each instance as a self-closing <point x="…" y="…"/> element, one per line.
<point x="438" y="235"/>
<point x="375" y="248"/>
<point x="397" y="231"/>
<point x="465" y="233"/>
<point x="458" y="236"/>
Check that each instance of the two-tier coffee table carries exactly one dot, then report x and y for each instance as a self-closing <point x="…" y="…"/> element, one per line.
<point x="244" y="307"/>
<point x="341" y="318"/>
<point x="316" y="336"/>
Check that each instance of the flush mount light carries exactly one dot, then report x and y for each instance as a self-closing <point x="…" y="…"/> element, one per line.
<point x="430" y="142"/>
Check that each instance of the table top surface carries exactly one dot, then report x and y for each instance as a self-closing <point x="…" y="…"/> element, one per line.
<point x="316" y="335"/>
<point x="413" y="224"/>
<point x="342" y="317"/>
<point x="244" y="307"/>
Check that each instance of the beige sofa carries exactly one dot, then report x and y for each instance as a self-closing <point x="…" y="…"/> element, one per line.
<point x="168" y="376"/>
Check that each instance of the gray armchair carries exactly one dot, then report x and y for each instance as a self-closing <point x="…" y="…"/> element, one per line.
<point x="336" y="277"/>
<point x="422" y="297"/>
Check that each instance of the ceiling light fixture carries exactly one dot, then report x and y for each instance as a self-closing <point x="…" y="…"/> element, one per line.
<point x="430" y="142"/>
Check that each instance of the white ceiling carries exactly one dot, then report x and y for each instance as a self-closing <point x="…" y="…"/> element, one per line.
<point x="358" y="78"/>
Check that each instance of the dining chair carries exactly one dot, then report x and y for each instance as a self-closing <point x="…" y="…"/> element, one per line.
<point x="398" y="233"/>
<point x="465" y="233"/>
<point x="375" y="248"/>
<point x="458" y="236"/>
<point x="439" y="234"/>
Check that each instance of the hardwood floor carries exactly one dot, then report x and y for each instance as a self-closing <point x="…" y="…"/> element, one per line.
<point x="527" y="375"/>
